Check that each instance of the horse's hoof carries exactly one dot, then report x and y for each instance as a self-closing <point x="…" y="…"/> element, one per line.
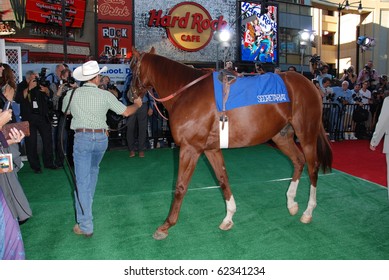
<point x="305" y="219"/>
<point x="226" y="225"/>
<point x="159" y="235"/>
<point x="294" y="209"/>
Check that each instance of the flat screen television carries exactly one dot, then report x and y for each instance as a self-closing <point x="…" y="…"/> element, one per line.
<point x="258" y="32"/>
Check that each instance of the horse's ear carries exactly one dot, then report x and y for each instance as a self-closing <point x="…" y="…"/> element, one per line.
<point x="152" y="51"/>
<point x="135" y="53"/>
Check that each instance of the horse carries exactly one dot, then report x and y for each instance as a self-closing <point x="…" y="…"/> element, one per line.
<point x="188" y="95"/>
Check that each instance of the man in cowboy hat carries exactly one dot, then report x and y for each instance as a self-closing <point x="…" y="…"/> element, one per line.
<point x="88" y="106"/>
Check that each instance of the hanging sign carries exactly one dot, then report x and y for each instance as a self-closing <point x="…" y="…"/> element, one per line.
<point x="189" y="25"/>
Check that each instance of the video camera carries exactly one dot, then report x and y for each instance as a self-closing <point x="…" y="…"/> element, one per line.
<point x="41" y="80"/>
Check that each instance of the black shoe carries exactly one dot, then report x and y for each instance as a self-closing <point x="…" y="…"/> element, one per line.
<point x="37" y="170"/>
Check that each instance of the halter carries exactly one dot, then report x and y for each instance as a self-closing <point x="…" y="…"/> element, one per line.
<point x="142" y="86"/>
<point x="137" y="74"/>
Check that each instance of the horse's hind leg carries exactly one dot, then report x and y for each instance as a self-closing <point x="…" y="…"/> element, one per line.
<point x="313" y="170"/>
<point x="187" y="163"/>
<point x="216" y="159"/>
<point x="285" y="142"/>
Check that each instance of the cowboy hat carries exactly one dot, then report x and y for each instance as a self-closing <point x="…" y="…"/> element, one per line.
<point x="88" y="71"/>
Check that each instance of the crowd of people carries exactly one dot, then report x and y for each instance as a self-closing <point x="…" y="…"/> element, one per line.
<point x="352" y="104"/>
<point x="72" y="113"/>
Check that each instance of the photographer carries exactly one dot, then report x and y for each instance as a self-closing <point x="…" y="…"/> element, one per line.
<point x="319" y="69"/>
<point x="350" y="77"/>
<point x="113" y="119"/>
<point x="368" y="74"/>
<point x="33" y="95"/>
<point x="64" y="136"/>
<point x="105" y="83"/>
<point x="383" y="84"/>
<point x="343" y="96"/>
<point x="54" y="80"/>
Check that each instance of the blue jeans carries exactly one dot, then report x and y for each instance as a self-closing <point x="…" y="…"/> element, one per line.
<point x="88" y="151"/>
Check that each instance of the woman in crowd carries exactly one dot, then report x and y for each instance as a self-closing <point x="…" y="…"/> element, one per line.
<point x="14" y="206"/>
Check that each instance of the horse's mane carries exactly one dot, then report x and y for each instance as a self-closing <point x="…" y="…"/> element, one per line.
<point x="174" y="68"/>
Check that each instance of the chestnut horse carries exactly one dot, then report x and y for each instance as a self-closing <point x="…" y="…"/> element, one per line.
<point x="188" y="95"/>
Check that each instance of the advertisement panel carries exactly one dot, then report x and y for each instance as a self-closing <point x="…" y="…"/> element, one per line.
<point x="258" y="32"/>
<point x="115" y="40"/>
<point x="118" y="11"/>
<point x="50" y="12"/>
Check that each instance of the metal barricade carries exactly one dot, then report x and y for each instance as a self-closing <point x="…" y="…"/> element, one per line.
<point x="339" y="124"/>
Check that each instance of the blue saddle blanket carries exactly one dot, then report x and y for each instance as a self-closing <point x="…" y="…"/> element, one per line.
<point x="245" y="91"/>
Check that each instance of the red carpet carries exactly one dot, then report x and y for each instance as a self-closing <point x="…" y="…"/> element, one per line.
<point x="355" y="158"/>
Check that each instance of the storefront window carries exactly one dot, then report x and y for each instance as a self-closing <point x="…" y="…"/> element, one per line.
<point x="289" y="41"/>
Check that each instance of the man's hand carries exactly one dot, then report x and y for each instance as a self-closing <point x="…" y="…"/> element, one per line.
<point x="372" y="147"/>
<point x="138" y="102"/>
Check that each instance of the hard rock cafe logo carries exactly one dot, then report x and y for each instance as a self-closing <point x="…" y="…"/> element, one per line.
<point x="189" y="26"/>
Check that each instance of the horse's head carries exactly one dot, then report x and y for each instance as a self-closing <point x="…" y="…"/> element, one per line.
<point x="139" y="82"/>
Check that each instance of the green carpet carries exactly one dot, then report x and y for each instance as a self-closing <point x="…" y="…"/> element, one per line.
<point x="133" y="198"/>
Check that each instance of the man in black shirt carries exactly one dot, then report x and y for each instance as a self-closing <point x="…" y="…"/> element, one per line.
<point x="33" y="98"/>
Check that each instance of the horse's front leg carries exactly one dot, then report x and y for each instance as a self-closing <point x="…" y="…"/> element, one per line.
<point x="187" y="163"/>
<point x="216" y="159"/>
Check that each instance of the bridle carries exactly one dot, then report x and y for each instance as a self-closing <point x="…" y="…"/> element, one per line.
<point x="141" y="87"/>
<point x="148" y="89"/>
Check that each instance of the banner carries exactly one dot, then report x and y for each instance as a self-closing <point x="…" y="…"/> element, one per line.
<point x="115" y="40"/>
<point x="50" y="12"/>
<point x="259" y="31"/>
<point x="118" y="11"/>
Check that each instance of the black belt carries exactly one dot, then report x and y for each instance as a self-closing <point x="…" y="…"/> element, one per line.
<point x="100" y="130"/>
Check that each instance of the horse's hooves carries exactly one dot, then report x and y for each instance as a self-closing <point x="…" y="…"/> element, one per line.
<point x="293" y="210"/>
<point x="306" y="219"/>
<point x="226" y="225"/>
<point x="159" y="235"/>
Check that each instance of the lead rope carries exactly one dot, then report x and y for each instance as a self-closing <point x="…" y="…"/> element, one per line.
<point x="177" y="92"/>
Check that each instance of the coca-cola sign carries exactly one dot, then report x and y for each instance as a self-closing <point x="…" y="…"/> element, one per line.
<point x="115" y="10"/>
<point x="189" y="26"/>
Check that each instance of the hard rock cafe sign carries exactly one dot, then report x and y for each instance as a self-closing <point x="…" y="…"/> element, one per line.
<point x="189" y="26"/>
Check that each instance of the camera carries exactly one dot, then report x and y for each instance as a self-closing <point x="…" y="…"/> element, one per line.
<point x="340" y="99"/>
<point x="315" y="59"/>
<point x="330" y="97"/>
<point x="111" y="86"/>
<point x="70" y="80"/>
<point x="356" y="98"/>
<point x="41" y="80"/>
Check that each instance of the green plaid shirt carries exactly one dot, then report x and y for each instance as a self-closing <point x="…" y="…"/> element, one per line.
<point x="90" y="105"/>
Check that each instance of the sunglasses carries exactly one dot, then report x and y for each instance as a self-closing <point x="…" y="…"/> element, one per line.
<point x="1" y="65"/>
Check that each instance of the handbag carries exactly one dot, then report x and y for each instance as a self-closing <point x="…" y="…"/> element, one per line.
<point x="23" y="126"/>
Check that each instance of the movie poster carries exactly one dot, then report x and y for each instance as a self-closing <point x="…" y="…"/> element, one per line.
<point x="259" y="33"/>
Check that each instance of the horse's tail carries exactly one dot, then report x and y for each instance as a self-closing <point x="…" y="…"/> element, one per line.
<point x="324" y="151"/>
